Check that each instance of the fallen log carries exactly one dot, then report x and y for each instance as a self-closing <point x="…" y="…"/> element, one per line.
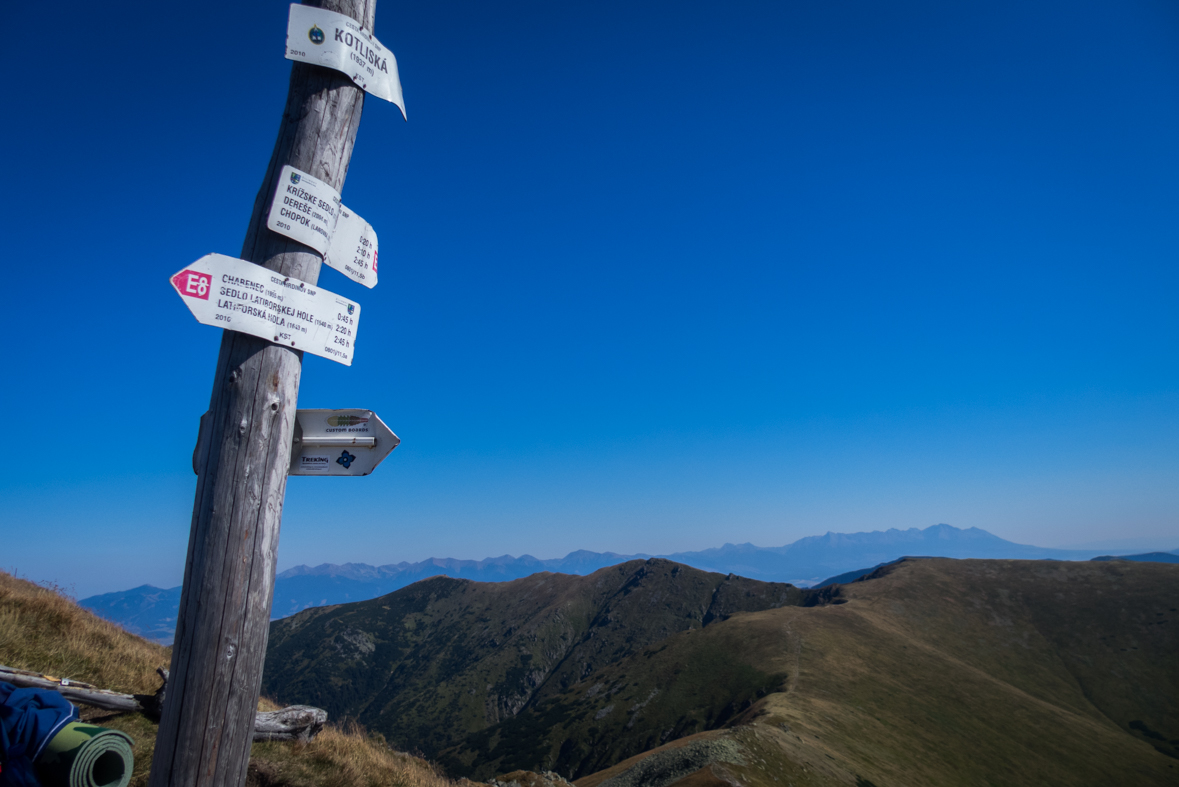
<point x="76" y="691"/>
<point x="293" y="723"/>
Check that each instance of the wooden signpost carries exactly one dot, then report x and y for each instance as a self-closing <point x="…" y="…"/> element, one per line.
<point x="209" y="712"/>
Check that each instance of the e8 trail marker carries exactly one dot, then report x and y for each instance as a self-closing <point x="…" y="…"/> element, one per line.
<point x="248" y="298"/>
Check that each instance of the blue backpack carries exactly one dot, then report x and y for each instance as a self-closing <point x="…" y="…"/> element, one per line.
<point x="29" y="718"/>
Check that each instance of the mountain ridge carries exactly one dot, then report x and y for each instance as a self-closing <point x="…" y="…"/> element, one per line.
<point x="943" y="534"/>
<point x="928" y="672"/>
<point x="151" y="612"/>
<point x="444" y="657"/>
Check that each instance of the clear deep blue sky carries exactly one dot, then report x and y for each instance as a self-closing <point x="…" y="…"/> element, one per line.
<point x="654" y="276"/>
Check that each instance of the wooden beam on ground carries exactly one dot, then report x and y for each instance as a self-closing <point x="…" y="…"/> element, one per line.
<point x="293" y="723"/>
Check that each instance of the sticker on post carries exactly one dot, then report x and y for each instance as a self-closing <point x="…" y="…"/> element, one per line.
<point x="326" y="38"/>
<point x="305" y="209"/>
<point x="241" y="296"/>
<point x="354" y="249"/>
<point x="312" y="465"/>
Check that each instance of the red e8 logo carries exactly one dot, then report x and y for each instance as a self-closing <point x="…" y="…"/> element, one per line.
<point x="193" y="285"/>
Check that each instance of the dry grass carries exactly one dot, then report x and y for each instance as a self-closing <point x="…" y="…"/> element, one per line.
<point x="338" y="757"/>
<point x="341" y="757"/>
<point x="43" y="631"/>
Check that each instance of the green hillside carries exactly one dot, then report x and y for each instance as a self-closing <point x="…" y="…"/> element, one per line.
<point x="430" y="663"/>
<point x="943" y="672"/>
<point x="932" y="672"/>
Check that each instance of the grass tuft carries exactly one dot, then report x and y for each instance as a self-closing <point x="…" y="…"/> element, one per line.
<point x="341" y="756"/>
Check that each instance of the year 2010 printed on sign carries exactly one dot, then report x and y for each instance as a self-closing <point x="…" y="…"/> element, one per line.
<point x="241" y="296"/>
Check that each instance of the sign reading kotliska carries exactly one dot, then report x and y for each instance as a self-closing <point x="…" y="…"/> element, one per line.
<point x="326" y="38"/>
<point x="308" y="210"/>
<point x="241" y="296"/>
<point x="339" y="442"/>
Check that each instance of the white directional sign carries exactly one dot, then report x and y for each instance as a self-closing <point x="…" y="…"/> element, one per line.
<point x="354" y="249"/>
<point x="339" y="442"/>
<point x="326" y="38"/>
<point x="304" y="208"/>
<point x="245" y="297"/>
<point x="309" y="210"/>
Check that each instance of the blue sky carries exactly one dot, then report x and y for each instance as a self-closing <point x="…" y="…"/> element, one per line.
<point x="654" y="276"/>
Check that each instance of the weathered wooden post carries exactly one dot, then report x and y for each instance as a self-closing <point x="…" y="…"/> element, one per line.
<point x="245" y="446"/>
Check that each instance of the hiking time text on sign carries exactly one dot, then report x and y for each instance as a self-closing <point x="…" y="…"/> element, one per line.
<point x="308" y="210"/>
<point x="354" y="249"/>
<point x="325" y="38"/>
<point x="244" y="297"/>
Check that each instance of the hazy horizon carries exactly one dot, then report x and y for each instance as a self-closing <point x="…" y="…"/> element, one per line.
<point x="1123" y="546"/>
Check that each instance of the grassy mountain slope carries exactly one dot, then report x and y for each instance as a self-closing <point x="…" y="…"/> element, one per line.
<point x="695" y="681"/>
<point x="43" y="631"/>
<point x="934" y="672"/>
<point x="430" y="663"/>
<point x="927" y="672"/>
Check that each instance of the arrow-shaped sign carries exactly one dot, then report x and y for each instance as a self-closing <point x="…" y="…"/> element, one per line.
<point x="241" y="296"/>
<point x="339" y="442"/>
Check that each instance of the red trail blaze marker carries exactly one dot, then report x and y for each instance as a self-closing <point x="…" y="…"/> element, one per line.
<point x="193" y="284"/>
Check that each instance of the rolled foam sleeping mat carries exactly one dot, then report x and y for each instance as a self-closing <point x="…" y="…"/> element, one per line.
<point x="86" y="755"/>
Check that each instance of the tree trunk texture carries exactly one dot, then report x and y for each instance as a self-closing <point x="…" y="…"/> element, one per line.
<point x="221" y="632"/>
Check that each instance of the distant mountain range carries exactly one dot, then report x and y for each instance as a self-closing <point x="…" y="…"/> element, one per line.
<point x="151" y="612"/>
<point x="147" y="611"/>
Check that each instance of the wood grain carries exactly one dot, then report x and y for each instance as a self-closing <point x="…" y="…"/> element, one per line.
<point x="209" y="713"/>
